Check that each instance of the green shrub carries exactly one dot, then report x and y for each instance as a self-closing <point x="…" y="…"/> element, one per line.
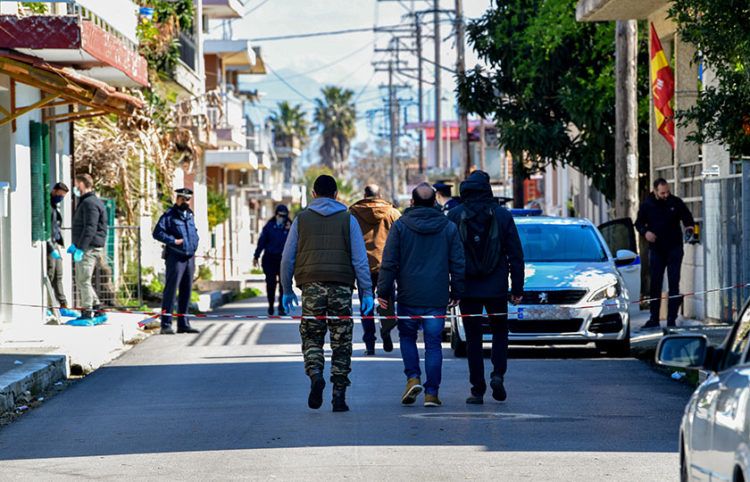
<point x="248" y="292"/>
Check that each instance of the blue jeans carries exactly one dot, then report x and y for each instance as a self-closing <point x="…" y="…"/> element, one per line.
<point x="433" y="338"/>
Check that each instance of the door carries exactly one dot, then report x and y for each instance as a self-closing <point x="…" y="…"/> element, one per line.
<point x="620" y="234"/>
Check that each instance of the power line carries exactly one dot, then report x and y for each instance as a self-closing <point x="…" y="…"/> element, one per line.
<point x="287" y="83"/>
<point x="320" y="34"/>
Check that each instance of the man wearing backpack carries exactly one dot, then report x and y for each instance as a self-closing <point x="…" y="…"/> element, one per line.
<point x="492" y="249"/>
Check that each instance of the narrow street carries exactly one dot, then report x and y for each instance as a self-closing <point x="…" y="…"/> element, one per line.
<point x="230" y="403"/>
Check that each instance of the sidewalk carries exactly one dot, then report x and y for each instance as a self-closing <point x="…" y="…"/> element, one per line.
<point x="643" y="343"/>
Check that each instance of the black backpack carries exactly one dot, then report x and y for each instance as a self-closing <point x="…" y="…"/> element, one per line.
<point x="483" y="249"/>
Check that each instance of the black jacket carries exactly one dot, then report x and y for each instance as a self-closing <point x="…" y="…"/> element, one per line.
<point x="423" y="256"/>
<point x="662" y="217"/>
<point x="56" y="238"/>
<point x="90" y="223"/>
<point x="477" y="197"/>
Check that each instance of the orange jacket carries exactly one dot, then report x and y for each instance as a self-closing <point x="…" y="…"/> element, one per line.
<point x="375" y="217"/>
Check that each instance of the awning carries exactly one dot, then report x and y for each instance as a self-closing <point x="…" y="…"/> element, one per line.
<point x="63" y="86"/>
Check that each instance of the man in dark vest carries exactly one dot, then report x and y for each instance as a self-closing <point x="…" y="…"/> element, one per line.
<point x="493" y="251"/>
<point x="325" y="252"/>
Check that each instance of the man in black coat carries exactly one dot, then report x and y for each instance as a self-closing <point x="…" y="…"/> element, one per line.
<point x="89" y="238"/>
<point x="493" y="249"/>
<point x="55" y="244"/>
<point x="658" y="220"/>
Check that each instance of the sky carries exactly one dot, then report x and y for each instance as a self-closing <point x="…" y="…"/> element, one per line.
<point x="309" y="64"/>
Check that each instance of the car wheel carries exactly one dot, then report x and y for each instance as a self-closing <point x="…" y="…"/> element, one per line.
<point x="616" y="348"/>
<point x="459" y="347"/>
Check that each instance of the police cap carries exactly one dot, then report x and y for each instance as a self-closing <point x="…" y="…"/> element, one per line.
<point x="184" y="192"/>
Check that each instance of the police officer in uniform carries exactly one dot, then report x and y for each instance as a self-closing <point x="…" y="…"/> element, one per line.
<point x="176" y="229"/>
<point x="445" y="197"/>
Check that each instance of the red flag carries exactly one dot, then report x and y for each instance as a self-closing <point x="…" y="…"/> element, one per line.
<point x="662" y="85"/>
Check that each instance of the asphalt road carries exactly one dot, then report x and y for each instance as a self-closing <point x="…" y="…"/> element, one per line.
<point x="230" y="403"/>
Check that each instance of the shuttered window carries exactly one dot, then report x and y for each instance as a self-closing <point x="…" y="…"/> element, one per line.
<point x="41" y="226"/>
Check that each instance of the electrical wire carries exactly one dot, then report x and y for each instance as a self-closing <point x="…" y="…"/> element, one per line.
<point x="291" y="87"/>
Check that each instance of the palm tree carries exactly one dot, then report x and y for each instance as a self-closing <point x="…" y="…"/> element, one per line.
<point x="336" y="114"/>
<point x="288" y="123"/>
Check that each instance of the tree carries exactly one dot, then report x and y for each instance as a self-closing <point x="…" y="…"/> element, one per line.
<point x="550" y="87"/>
<point x="336" y="114"/>
<point x="372" y="165"/>
<point x="719" y="30"/>
<point x="289" y="123"/>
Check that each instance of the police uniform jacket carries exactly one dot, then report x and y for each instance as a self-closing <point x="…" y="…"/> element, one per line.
<point x="173" y="225"/>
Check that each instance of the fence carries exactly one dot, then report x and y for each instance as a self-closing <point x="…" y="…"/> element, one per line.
<point x="723" y="241"/>
<point x="117" y="276"/>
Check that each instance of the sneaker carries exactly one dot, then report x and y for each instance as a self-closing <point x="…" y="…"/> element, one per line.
<point x="387" y="341"/>
<point x="413" y="388"/>
<point x="188" y="329"/>
<point x="475" y="400"/>
<point x="317" y="384"/>
<point x="498" y="390"/>
<point x="431" y="400"/>
<point x="166" y="331"/>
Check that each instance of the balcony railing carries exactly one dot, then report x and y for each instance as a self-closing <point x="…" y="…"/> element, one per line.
<point x="187" y="50"/>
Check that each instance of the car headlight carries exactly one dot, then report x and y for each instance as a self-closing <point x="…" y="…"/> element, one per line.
<point x="608" y="292"/>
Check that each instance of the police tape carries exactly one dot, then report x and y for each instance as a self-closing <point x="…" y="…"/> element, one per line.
<point x="519" y="313"/>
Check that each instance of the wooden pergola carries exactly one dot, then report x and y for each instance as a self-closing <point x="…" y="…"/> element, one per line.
<point x="61" y="86"/>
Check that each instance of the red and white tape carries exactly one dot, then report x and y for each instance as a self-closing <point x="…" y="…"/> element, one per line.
<point x="156" y="314"/>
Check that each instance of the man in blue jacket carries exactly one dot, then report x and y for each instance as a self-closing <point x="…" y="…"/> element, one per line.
<point x="176" y="229"/>
<point x="424" y="257"/>
<point x="271" y="244"/>
<point x="493" y="251"/>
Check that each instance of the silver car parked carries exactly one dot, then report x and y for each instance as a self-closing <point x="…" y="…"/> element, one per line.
<point x="715" y="429"/>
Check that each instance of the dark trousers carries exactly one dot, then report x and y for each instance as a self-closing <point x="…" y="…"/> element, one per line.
<point x="368" y="325"/>
<point x="474" y="348"/>
<point x="55" y="275"/>
<point x="179" y="276"/>
<point x="658" y="261"/>
<point x="272" y="268"/>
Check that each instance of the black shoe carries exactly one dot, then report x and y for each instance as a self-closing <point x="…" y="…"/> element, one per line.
<point x="370" y="351"/>
<point x="387" y="341"/>
<point x="650" y="325"/>
<point x="281" y="312"/>
<point x="166" y="331"/>
<point x="475" y="400"/>
<point x="270" y="311"/>
<point x="86" y="315"/>
<point x="317" y="384"/>
<point x="189" y="329"/>
<point x="339" y="399"/>
<point x="498" y="390"/>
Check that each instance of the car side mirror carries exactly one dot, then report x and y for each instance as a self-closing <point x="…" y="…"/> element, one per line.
<point x="682" y="351"/>
<point x="625" y="257"/>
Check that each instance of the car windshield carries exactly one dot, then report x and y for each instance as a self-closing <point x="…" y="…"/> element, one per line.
<point x="560" y="242"/>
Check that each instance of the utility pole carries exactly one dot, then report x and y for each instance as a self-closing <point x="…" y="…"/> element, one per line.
<point x="438" y="96"/>
<point x="482" y="163"/>
<point x="420" y="92"/>
<point x="463" y="118"/>
<point x="392" y="127"/>
<point x="626" y="115"/>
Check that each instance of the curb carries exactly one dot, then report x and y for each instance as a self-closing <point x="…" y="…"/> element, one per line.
<point x="35" y="375"/>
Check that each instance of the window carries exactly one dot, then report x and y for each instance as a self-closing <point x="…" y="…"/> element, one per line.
<point x="555" y="242"/>
<point x="737" y="345"/>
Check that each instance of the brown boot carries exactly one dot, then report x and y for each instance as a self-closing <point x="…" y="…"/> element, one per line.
<point x="413" y="388"/>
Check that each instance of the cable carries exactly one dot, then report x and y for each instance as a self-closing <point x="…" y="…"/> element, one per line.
<point x="248" y="12"/>
<point x="321" y="34"/>
<point x="288" y="84"/>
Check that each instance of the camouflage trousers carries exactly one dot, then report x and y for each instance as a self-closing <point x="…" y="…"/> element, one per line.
<point x="327" y="299"/>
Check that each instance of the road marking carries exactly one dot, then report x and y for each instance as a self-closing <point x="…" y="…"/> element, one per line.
<point x="519" y="417"/>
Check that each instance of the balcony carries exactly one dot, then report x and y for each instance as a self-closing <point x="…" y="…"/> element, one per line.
<point x="99" y="41"/>
<point x="222" y="8"/>
<point x="603" y="10"/>
<point x="239" y="159"/>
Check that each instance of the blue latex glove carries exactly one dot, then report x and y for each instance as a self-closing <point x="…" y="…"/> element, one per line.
<point x="78" y="255"/>
<point x="71" y="249"/>
<point x="288" y="301"/>
<point x="56" y="254"/>
<point x="368" y="303"/>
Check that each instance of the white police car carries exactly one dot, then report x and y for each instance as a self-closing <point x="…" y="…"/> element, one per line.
<point x="575" y="290"/>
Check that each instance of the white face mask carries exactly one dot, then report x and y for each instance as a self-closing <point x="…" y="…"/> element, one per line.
<point x="76" y="192"/>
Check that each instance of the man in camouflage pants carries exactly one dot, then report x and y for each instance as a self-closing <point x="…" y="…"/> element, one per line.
<point x="324" y="253"/>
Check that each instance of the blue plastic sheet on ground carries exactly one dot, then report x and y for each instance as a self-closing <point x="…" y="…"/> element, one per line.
<point x="97" y="320"/>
